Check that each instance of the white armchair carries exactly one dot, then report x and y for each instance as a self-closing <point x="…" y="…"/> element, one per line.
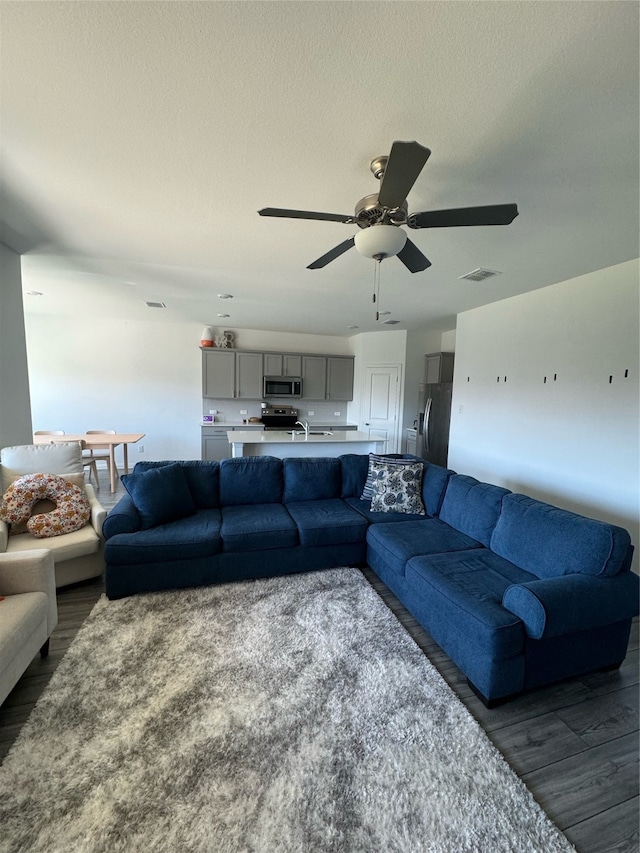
<point x="28" y="612"/>
<point x="78" y="555"/>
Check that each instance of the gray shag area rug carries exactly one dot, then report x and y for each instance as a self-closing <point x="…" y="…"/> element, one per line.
<point x="287" y="715"/>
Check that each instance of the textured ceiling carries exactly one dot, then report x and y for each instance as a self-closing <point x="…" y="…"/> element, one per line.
<point x="139" y="140"/>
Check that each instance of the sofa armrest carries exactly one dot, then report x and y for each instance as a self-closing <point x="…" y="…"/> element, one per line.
<point x="123" y="518"/>
<point x="98" y="512"/>
<point x="31" y="571"/>
<point x="4" y="536"/>
<point x="563" y="605"/>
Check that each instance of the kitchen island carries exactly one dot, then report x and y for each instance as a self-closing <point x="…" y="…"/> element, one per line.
<point x="282" y="444"/>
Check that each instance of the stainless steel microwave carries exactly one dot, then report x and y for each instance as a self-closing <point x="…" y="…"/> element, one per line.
<point x="281" y="386"/>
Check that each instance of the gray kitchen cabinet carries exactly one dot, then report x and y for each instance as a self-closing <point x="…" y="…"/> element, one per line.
<point x="218" y="374"/>
<point x="439" y="367"/>
<point x="314" y="377"/>
<point x="282" y="364"/>
<point x="291" y="365"/>
<point x="229" y="375"/>
<point x="272" y="364"/>
<point x="339" y="378"/>
<point x="215" y="444"/>
<point x="248" y="375"/>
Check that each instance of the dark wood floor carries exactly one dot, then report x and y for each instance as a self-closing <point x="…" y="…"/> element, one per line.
<point x="575" y="745"/>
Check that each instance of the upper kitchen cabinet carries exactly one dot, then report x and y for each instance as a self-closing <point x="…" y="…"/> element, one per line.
<point x="282" y="364"/>
<point x="339" y="378"/>
<point x="327" y="377"/>
<point x="314" y="377"/>
<point x="439" y="367"/>
<point x="229" y="375"/>
<point x="249" y="375"/>
<point x="218" y="374"/>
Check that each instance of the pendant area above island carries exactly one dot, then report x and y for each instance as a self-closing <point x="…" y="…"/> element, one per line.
<point x="283" y="445"/>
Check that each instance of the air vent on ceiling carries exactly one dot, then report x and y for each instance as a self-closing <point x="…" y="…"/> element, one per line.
<point x="479" y="275"/>
<point x="156" y="305"/>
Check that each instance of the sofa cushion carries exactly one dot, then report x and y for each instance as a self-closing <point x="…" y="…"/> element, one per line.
<point x="434" y="486"/>
<point x="257" y="527"/>
<point x="328" y="522"/>
<point x="160" y="494"/>
<point x="21" y="615"/>
<point x="311" y="479"/>
<point x="60" y="458"/>
<point x="251" y="480"/>
<point x="367" y="490"/>
<point x="397" y="488"/>
<point x="472" y="507"/>
<point x="76" y="544"/>
<point x="463" y="593"/>
<point x="395" y="544"/>
<point x="548" y="541"/>
<point x="203" y="480"/>
<point x="196" y="536"/>
<point x="364" y="508"/>
<point x="354" y="473"/>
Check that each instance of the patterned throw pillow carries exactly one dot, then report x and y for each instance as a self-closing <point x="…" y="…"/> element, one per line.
<point x="391" y="459"/>
<point x="397" y="488"/>
<point x="72" y="508"/>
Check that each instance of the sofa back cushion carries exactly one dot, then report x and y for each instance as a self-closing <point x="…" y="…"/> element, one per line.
<point x="312" y="479"/>
<point x="251" y="480"/>
<point x="548" y="541"/>
<point x="203" y="480"/>
<point x="434" y="486"/>
<point x="472" y="507"/>
<point x="354" y="473"/>
<point x="59" y="458"/>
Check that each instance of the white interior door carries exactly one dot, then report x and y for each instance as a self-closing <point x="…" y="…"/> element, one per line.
<point x="381" y="403"/>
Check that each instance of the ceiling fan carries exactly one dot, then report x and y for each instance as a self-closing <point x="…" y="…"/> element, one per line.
<point x="381" y="214"/>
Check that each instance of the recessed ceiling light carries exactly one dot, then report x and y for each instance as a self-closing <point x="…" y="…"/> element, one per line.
<point x="390" y="322"/>
<point x="223" y="315"/>
<point x="156" y="305"/>
<point x="385" y="313"/>
<point x="225" y="296"/>
<point x="34" y="293"/>
<point x="353" y="327"/>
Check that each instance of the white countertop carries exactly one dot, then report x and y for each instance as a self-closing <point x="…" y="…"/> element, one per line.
<point x="277" y="437"/>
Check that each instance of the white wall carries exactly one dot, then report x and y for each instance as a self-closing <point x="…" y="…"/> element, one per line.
<point x="573" y="441"/>
<point x="15" y="406"/>
<point x="127" y="376"/>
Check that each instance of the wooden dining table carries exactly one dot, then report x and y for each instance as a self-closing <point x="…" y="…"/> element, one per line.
<point x="99" y="440"/>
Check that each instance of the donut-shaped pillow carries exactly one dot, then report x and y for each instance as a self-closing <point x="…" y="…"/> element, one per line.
<point x="72" y="510"/>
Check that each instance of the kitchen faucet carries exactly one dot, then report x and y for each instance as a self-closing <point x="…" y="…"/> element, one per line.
<point x="305" y="427"/>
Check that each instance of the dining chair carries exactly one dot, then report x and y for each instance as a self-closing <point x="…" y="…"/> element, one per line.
<point x="90" y="463"/>
<point x="49" y="432"/>
<point x="98" y="453"/>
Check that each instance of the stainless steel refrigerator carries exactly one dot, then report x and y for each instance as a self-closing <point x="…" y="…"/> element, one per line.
<point x="434" y="416"/>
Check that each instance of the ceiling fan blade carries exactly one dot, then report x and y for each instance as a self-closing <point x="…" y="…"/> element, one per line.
<point x="412" y="257"/>
<point x="332" y="255"/>
<point x="405" y="164"/>
<point x="306" y="214"/>
<point x="492" y="214"/>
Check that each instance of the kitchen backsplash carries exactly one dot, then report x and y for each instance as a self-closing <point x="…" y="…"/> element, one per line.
<point x="235" y="411"/>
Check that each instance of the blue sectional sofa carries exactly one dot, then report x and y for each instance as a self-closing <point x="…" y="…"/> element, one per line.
<point x="517" y="592"/>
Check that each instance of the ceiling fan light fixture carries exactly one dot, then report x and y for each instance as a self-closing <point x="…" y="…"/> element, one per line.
<point x="380" y="241"/>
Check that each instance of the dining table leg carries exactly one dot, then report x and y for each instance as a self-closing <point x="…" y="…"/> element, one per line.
<point x="112" y="466"/>
<point x="125" y="456"/>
